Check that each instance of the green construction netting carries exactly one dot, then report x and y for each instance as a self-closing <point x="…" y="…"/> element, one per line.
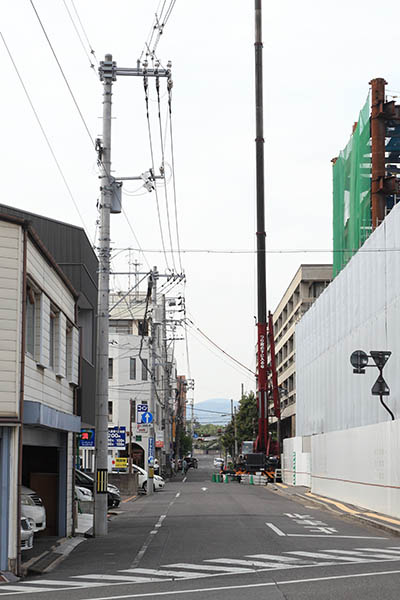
<point x="352" y="193"/>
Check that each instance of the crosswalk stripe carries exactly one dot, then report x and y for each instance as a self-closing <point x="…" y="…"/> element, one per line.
<point x="284" y="559"/>
<point x="22" y="589"/>
<point x="126" y="578"/>
<point x="359" y="553"/>
<point x="165" y="573"/>
<point x="210" y="568"/>
<point x="249" y="563"/>
<point x="323" y="555"/>
<point x="393" y="551"/>
<point x="68" y="582"/>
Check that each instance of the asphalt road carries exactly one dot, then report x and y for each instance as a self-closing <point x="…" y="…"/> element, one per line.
<point x="202" y="540"/>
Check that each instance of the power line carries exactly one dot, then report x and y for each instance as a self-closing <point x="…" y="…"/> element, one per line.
<point x="45" y="135"/>
<point x="173" y="175"/>
<point x="92" y="52"/>
<point x="62" y="73"/>
<point x="79" y="37"/>
<point x="145" y="85"/>
<point x="136" y="239"/>
<point x="163" y="167"/>
<point x="219" y="347"/>
<point x="199" y="339"/>
<point x="276" y="250"/>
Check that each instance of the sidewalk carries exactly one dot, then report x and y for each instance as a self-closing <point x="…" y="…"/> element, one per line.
<point x="48" y="552"/>
<point x="303" y="494"/>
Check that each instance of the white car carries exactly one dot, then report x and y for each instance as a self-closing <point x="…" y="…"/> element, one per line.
<point x="159" y="482"/>
<point x="33" y="509"/>
<point x="83" y="494"/>
<point x="218" y="462"/>
<point x="26" y="533"/>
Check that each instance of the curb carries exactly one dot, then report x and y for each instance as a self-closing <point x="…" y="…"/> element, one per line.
<point x="8" y="577"/>
<point x="356" y="516"/>
<point x="46" y="562"/>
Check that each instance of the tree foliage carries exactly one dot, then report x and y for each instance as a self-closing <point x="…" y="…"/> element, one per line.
<point x="246" y="423"/>
<point x="186" y="443"/>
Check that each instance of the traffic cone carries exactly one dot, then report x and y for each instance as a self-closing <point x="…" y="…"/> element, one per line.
<point x="213" y="478"/>
<point x="226" y="479"/>
<point x="251" y="482"/>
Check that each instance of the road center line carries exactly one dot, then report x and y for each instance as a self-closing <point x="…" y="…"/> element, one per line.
<point x="251" y="585"/>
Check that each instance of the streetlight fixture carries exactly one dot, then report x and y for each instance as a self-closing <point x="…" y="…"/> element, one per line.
<point x="360" y="359"/>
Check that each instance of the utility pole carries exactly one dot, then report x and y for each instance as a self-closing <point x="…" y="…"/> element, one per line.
<point x="167" y="383"/>
<point x="235" y="433"/>
<point x="152" y="407"/>
<point x="261" y="441"/>
<point x="109" y="203"/>
<point x="101" y="468"/>
<point x="130" y="436"/>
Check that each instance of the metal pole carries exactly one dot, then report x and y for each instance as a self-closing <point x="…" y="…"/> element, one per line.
<point x="101" y="460"/>
<point x="261" y="270"/>
<point x="235" y="433"/>
<point x="152" y="407"/>
<point x="130" y="438"/>
<point x="167" y="438"/>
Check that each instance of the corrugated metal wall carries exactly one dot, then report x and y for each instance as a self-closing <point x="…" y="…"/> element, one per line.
<point x="360" y="310"/>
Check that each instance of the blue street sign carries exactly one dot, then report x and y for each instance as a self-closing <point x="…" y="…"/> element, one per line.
<point x="140" y="409"/>
<point x="195" y="436"/>
<point x="117" y="437"/>
<point x="147" y="418"/>
<point x="151" y="451"/>
<point x="87" y="438"/>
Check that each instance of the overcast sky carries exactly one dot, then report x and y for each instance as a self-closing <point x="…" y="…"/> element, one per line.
<point x="318" y="60"/>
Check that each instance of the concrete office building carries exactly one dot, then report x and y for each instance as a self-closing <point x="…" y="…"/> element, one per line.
<point x="305" y="287"/>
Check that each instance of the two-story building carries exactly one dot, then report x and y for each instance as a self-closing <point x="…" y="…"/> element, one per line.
<point x="39" y="374"/>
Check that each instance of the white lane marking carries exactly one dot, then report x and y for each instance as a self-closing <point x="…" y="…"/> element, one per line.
<point x="211" y="568"/>
<point x="375" y="554"/>
<point x="347" y="537"/>
<point x="166" y="573"/>
<point x="328" y="556"/>
<point x="184" y="479"/>
<point x="284" y="559"/>
<point x="392" y="550"/>
<point x="122" y="578"/>
<point x="67" y="582"/>
<point x="249" y="563"/>
<point x="154" y="531"/>
<point x="177" y="495"/>
<point x="250" y="585"/>
<point x="160" y="520"/>
<point x="204" y="489"/>
<point x="276" y="529"/>
<point x="22" y="589"/>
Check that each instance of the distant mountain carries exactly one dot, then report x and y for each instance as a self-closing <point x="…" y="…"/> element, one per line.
<point x="219" y="411"/>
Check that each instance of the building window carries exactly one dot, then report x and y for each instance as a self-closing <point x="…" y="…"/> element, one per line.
<point x="132" y="368"/>
<point x="68" y="349"/>
<point x="144" y="369"/>
<point x="30" y="321"/>
<point x="52" y="337"/>
<point x="85" y="322"/>
<point x="110" y="368"/>
<point x="110" y="411"/>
